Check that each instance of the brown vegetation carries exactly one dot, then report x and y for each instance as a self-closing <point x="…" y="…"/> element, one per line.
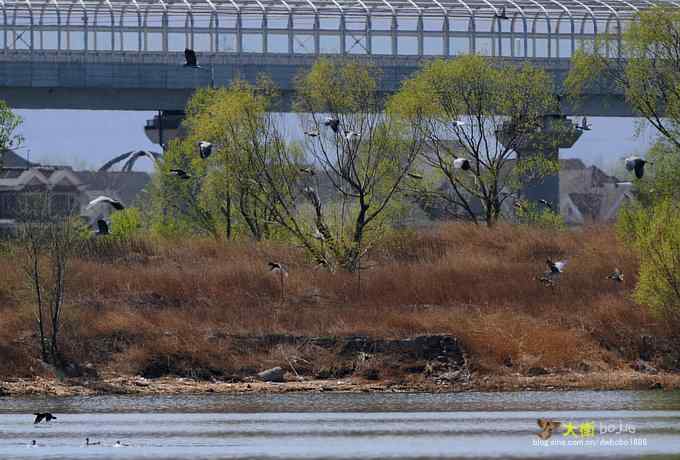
<point x="174" y="307"/>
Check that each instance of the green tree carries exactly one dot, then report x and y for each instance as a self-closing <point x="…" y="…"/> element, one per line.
<point x="654" y="232"/>
<point x="9" y="123"/>
<point x="221" y="197"/>
<point x="471" y="109"/>
<point x="648" y="73"/>
<point x="364" y="157"/>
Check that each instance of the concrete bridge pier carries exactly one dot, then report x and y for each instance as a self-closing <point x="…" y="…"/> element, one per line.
<point x="555" y="132"/>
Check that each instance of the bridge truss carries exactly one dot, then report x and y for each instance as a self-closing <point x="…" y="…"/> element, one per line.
<point x="512" y="28"/>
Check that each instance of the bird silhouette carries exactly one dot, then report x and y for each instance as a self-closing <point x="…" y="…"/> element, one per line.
<point x="91" y="443"/>
<point x="312" y="133"/>
<point x="182" y="174"/>
<point x="102" y="227"/>
<point x="461" y="163"/>
<point x="617" y="276"/>
<point x="332" y="123"/>
<point x="277" y="267"/>
<point x="502" y="14"/>
<point x="546" y="203"/>
<point x="204" y="149"/>
<point x="636" y="164"/>
<point x="584" y="126"/>
<point x="190" y="58"/>
<point x="40" y="416"/>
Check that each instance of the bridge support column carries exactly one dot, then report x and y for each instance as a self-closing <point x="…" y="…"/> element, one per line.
<point x="556" y="132"/>
<point x="164" y="127"/>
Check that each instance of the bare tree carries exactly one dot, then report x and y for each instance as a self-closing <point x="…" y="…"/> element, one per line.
<point x="46" y="240"/>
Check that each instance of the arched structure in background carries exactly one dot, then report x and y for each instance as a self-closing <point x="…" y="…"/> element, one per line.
<point x="130" y="158"/>
<point x="533" y="28"/>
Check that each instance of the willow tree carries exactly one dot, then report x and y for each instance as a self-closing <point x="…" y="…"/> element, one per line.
<point x="221" y="197"/>
<point x="468" y="108"/>
<point x="363" y="153"/>
<point x="647" y="73"/>
<point x="9" y="123"/>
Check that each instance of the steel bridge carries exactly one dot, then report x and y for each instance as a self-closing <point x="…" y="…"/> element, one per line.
<point x="128" y="54"/>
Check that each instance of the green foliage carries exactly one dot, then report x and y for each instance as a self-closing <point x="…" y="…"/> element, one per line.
<point x="9" y="123"/>
<point x="221" y="198"/>
<point x="662" y="179"/>
<point x="648" y="73"/>
<point x="126" y="224"/>
<point x="500" y="107"/>
<point x="655" y="234"/>
<point x="539" y="216"/>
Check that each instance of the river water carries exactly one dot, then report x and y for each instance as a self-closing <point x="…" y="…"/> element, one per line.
<point x="631" y="424"/>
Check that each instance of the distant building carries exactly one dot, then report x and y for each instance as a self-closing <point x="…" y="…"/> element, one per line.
<point x="70" y="191"/>
<point x="588" y="194"/>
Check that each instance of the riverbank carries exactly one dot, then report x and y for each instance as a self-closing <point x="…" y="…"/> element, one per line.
<point x="605" y="381"/>
<point x="450" y="308"/>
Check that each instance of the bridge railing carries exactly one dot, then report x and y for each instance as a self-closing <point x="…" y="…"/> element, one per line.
<point x="530" y="28"/>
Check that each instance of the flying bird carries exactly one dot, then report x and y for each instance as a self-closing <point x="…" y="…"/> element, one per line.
<point x="461" y="163"/>
<point x="458" y="123"/>
<point x="190" y="58"/>
<point x="415" y="175"/>
<point x="40" y="416"/>
<point x="308" y="171"/>
<point x="636" y="164"/>
<point x="351" y="136"/>
<point x="204" y="149"/>
<point x="102" y="227"/>
<point x="546" y="203"/>
<point x="502" y="14"/>
<point x="332" y="123"/>
<point x="556" y="267"/>
<point x="117" y="205"/>
<point x="617" y="276"/>
<point x="318" y="235"/>
<point x="182" y="174"/>
<point x="584" y="126"/>
<point x="312" y="133"/>
<point x="277" y="267"/>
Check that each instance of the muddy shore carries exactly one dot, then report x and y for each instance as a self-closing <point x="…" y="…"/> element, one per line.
<point x="617" y="380"/>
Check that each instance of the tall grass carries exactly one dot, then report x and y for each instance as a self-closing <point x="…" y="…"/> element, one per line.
<point x="131" y="305"/>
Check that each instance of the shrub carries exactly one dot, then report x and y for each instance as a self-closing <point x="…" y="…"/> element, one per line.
<point x="655" y="234"/>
